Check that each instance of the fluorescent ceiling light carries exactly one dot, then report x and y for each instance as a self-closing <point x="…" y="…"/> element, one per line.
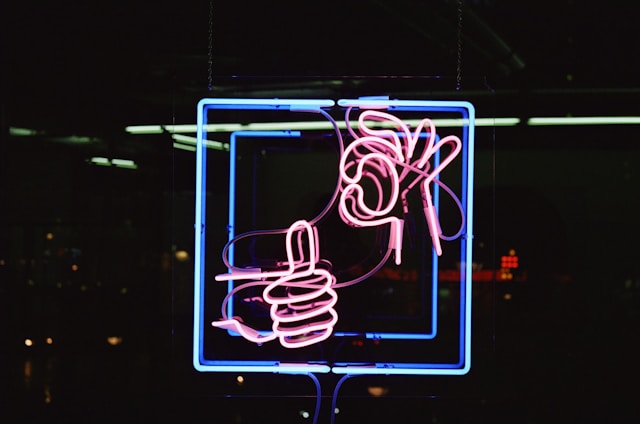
<point x="299" y="126"/>
<point x="325" y="125"/>
<point x="124" y="163"/>
<point x="497" y="122"/>
<point x="193" y="128"/>
<point x="185" y="139"/>
<point x="584" y="120"/>
<point x="192" y="141"/>
<point x="120" y="163"/>
<point x="21" y="131"/>
<point x="75" y="139"/>
<point x="144" y="129"/>
<point x="186" y="147"/>
<point x="100" y="161"/>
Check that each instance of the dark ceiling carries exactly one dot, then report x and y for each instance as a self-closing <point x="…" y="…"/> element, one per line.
<point x="88" y="68"/>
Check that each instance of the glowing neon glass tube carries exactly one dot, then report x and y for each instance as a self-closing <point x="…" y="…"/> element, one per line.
<point x="459" y="366"/>
<point x="260" y="335"/>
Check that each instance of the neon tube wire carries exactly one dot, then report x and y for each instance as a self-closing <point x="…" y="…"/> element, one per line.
<point x="315" y="380"/>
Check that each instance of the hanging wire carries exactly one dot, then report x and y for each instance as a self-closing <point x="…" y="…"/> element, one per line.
<point x="334" y="398"/>
<point x="316" y="413"/>
<point x="459" y="61"/>
<point x="210" y="49"/>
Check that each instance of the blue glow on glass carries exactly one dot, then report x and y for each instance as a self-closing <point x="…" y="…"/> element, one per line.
<point x="459" y="367"/>
<point x="402" y="368"/>
<point x="434" y="254"/>
<point x="468" y="155"/>
<point x="386" y="335"/>
<point x="417" y="105"/>
<point x="199" y="262"/>
<point x="257" y="104"/>
<point x="261" y="366"/>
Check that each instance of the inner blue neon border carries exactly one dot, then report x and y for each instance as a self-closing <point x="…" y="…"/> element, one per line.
<point x="462" y="366"/>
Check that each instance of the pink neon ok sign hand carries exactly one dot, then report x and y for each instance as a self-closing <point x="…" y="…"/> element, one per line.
<point x="385" y="157"/>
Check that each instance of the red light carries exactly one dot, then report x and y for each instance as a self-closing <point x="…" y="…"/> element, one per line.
<point x="509" y="262"/>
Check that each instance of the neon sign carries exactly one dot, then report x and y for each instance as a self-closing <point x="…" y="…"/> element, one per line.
<point x="384" y="161"/>
<point x="381" y="152"/>
<point x="307" y="297"/>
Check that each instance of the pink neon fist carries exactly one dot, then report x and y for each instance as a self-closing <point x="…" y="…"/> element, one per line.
<point x="384" y="158"/>
<point x="300" y="297"/>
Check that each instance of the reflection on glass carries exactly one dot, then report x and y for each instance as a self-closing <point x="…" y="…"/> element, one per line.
<point x="114" y="340"/>
<point x="27" y="373"/>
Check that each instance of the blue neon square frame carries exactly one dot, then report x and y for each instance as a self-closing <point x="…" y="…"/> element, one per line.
<point x="462" y="366"/>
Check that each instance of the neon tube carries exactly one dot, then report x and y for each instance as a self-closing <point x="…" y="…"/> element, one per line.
<point x="263" y="366"/>
<point x="306" y="297"/>
<point x="321" y="125"/>
<point x="306" y="290"/>
<point x="255" y="104"/>
<point x="375" y="154"/>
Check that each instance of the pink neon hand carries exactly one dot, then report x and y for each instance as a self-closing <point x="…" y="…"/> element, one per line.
<point x="375" y="156"/>
<point x="301" y="297"/>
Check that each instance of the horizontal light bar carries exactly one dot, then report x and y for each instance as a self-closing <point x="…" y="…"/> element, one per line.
<point x="294" y="126"/>
<point x="124" y="163"/>
<point x="22" y="131"/>
<point x="100" y="161"/>
<point x="497" y="122"/>
<point x="325" y="125"/>
<point x="193" y="128"/>
<point x="145" y="129"/>
<point x="186" y="147"/>
<point x="192" y="141"/>
<point x="300" y="125"/>
<point x="584" y="120"/>
<point x="120" y="163"/>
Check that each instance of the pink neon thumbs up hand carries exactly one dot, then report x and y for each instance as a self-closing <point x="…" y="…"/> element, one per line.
<point x="300" y="296"/>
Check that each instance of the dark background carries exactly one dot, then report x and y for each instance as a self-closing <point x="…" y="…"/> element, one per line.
<point x="558" y="347"/>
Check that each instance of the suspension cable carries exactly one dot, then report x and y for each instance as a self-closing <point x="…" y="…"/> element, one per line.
<point x="210" y="49"/>
<point x="459" y="45"/>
